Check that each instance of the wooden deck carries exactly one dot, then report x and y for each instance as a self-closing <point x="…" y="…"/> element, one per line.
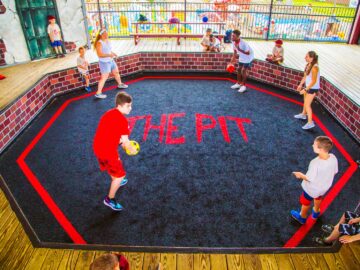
<point x="16" y="252"/>
<point x="339" y="63"/>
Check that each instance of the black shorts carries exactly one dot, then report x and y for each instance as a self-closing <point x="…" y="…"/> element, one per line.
<point x="312" y="91"/>
<point x="347" y="229"/>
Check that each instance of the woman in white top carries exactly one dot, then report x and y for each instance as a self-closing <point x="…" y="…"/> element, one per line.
<point x="308" y="87"/>
<point x="106" y="62"/>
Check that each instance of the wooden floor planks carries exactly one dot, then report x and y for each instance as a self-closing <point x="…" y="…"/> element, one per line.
<point x="16" y="252"/>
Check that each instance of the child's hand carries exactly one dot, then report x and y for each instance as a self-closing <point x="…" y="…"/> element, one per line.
<point x="345" y="239"/>
<point x="298" y="175"/>
<point x="353" y="221"/>
<point x="302" y="92"/>
<point x="299" y="88"/>
<point x="114" y="54"/>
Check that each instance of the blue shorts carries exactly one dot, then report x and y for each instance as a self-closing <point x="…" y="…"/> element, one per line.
<point x="245" y="65"/>
<point x="107" y="67"/>
<point x="86" y="73"/>
<point x="56" y="43"/>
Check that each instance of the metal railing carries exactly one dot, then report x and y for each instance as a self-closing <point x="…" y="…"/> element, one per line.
<point x="269" y="20"/>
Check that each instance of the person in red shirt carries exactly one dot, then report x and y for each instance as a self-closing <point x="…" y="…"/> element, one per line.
<point x="113" y="129"/>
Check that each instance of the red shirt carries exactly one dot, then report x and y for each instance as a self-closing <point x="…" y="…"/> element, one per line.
<point x="112" y="126"/>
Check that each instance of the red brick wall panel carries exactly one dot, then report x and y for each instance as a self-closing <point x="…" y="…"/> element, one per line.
<point x="20" y="113"/>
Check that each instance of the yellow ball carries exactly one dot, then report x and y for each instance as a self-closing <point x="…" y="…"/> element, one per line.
<point x="135" y="145"/>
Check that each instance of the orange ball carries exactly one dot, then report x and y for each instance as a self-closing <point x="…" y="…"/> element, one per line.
<point x="230" y="68"/>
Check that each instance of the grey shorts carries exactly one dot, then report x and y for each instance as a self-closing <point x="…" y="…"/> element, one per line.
<point x="107" y="67"/>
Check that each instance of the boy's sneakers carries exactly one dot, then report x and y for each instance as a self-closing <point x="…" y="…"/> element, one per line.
<point x="113" y="204"/>
<point x="87" y="89"/>
<point x="242" y="89"/>
<point x="122" y="86"/>
<point x="101" y="96"/>
<point x="308" y="125"/>
<point x="300" y="116"/>
<point x="327" y="228"/>
<point x="314" y="214"/>
<point x="236" y="86"/>
<point x="321" y="241"/>
<point x="123" y="182"/>
<point x="296" y="215"/>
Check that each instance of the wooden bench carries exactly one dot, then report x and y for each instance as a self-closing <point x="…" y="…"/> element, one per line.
<point x="219" y="28"/>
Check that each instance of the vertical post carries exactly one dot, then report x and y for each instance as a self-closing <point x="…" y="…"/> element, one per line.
<point x="100" y="18"/>
<point x="269" y="22"/>
<point x="185" y="11"/>
<point x="83" y="7"/>
<point x="355" y="28"/>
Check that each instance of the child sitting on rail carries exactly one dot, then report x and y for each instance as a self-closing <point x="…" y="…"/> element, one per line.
<point x="83" y="68"/>
<point x="347" y="230"/>
<point x="205" y="42"/>
<point x="277" y="56"/>
<point x="214" y="45"/>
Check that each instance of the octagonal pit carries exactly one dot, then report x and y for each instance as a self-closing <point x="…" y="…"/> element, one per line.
<point x="214" y="172"/>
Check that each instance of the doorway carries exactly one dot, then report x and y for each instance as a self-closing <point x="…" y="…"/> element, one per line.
<point x="33" y="16"/>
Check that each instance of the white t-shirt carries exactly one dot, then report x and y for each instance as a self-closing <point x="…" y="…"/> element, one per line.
<point x="82" y="62"/>
<point x="215" y="43"/>
<point x="205" y="41"/>
<point x="309" y="79"/>
<point x="320" y="174"/>
<point x="278" y="51"/>
<point x="243" y="58"/>
<point x="54" y="30"/>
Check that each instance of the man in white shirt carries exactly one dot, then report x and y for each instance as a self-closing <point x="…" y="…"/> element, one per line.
<point x="246" y="56"/>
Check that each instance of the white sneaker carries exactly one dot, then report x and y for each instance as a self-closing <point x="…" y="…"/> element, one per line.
<point x="300" y="116"/>
<point x="236" y="86"/>
<point x="122" y="86"/>
<point x="308" y="125"/>
<point x="102" y="96"/>
<point x="242" y="89"/>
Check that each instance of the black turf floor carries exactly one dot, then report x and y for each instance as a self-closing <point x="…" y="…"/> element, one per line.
<point x="208" y="194"/>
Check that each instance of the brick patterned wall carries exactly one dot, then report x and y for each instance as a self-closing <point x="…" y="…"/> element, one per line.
<point x="20" y="113"/>
<point x="341" y="107"/>
<point x="347" y="112"/>
<point x="70" y="46"/>
<point x="17" y="115"/>
<point x="2" y="53"/>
